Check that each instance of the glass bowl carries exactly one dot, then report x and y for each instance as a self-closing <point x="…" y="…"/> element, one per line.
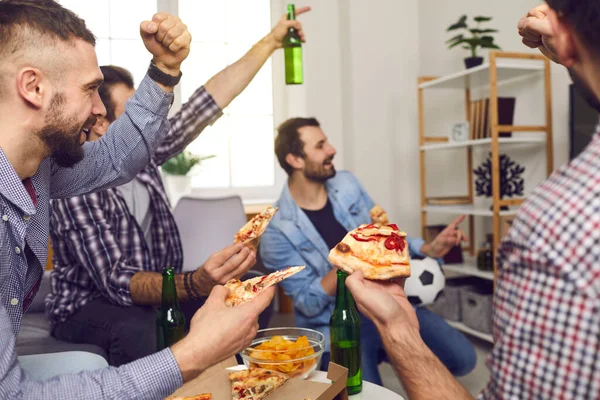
<point x="297" y="362"/>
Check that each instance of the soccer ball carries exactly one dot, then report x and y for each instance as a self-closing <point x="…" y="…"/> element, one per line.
<point x="426" y="281"/>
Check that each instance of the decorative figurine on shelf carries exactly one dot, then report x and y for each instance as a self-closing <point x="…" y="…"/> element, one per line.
<point x="511" y="181"/>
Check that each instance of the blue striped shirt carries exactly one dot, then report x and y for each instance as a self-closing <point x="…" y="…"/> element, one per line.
<point x="113" y="160"/>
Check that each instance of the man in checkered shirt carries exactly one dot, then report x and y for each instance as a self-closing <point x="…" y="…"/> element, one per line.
<point x="110" y="246"/>
<point x="547" y="299"/>
<point x="49" y="78"/>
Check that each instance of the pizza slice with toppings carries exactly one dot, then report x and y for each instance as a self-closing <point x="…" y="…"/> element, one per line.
<point x="381" y="252"/>
<point x="243" y="292"/>
<point x="379" y="216"/>
<point x="255" y="383"/>
<point x="205" y="396"/>
<point x="251" y="232"/>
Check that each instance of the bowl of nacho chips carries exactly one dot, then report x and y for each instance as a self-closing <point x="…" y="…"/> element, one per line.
<point x="294" y="351"/>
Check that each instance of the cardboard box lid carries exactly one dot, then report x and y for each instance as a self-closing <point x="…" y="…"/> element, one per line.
<point x="215" y="380"/>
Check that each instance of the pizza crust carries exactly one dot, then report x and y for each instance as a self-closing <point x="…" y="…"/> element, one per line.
<point x="250" y="233"/>
<point x="348" y="263"/>
<point x="205" y="396"/>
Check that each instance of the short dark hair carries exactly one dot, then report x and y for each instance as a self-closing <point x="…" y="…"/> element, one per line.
<point x="45" y="17"/>
<point x="113" y="76"/>
<point x="33" y="26"/>
<point x="288" y="140"/>
<point x="583" y="16"/>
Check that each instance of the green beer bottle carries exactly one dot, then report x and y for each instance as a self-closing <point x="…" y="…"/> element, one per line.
<point x="170" y="320"/>
<point x="345" y="335"/>
<point x="292" y="48"/>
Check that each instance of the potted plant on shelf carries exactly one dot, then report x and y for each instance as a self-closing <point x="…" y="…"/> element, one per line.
<point x="176" y="169"/>
<point x="478" y="38"/>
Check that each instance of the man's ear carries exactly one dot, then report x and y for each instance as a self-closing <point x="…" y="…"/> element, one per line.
<point x="564" y="40"/>
<point x="31" y="86"/>
<point x="101" y="126"/>
<point x="294" y="161"/>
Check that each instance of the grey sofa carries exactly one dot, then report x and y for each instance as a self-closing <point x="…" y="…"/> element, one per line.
<point x="35" y="337"/>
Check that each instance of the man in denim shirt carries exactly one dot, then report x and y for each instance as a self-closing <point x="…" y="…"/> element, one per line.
<point x="316" y="209"/>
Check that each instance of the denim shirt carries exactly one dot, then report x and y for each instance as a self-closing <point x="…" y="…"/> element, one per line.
<point x="291" y="239"/>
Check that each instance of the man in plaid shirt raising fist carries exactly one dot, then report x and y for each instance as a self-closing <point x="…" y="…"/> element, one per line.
<point x="547" y="299"/>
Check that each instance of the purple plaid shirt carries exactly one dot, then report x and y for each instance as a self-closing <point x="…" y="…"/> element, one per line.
<point x="113" y="160"/>
<point x="98" y="244"/>
<point x="547" y="299"/>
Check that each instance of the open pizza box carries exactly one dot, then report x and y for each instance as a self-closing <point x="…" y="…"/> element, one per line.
<point x="215" y="380"/>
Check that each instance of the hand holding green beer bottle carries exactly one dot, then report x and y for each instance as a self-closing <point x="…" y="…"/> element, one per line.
<point x="288" y="34"/>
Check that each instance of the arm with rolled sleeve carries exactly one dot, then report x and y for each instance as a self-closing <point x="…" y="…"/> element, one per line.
<point x="125" y="149"/>
<point x="198" y="113"/>
<point x="305" y="287"/>
<point x="86" y="236"/>
<point x="152" y="377"/>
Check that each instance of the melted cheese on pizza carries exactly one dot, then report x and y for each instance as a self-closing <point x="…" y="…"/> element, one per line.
<point x="385" y="245"/>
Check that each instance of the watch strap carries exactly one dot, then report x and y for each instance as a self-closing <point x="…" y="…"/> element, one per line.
<point x="162" y="77"/>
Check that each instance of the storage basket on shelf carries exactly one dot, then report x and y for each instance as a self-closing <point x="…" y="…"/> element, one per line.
<point x="448" y="304"/>
<point x="476" y="306"/>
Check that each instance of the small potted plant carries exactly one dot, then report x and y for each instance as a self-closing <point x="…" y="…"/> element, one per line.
<point x="176" y="171"/>
<point x="472" y="39"/>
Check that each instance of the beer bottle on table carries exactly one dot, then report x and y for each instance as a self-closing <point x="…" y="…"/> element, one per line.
<point x="170" y="320"/>
<point x="345" y="335"/>
<point x="292" y="49"/>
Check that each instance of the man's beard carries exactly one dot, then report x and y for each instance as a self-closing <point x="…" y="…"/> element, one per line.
<point x="62" y="134"/>
<point x="317" y="172"/>
<point x="584" y="91"/>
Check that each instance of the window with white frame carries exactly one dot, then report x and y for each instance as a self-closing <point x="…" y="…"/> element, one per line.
<point x="242" y="140"/>
<point x="222" y="31"/>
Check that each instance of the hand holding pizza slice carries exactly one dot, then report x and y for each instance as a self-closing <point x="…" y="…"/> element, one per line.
<point x="250" y="233"/>
<point x="379" y="216"/>
<point x="381" y="252"/>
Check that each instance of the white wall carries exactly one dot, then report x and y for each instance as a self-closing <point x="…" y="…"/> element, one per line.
<point x="361" y="62"/>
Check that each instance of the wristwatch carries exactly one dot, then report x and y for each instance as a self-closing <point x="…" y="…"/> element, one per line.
<point x="161" y="77"/>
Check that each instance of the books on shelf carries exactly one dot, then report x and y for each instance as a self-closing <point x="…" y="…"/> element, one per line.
<point x="481" y="127"/>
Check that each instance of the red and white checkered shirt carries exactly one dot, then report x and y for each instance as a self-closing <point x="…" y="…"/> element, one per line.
<point x="547" y="300"/>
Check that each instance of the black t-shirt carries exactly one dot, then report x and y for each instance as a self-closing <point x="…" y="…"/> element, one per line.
<point x="326" y="224"/>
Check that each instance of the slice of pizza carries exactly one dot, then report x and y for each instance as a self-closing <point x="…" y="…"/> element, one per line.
<point x="243" y="292"/>
<point x="379" y="216"/>
<point x="255" y="383"/>
<point x="205" y="396"/>
<point x="251" y="232"/>
<point x="381" y="252"/>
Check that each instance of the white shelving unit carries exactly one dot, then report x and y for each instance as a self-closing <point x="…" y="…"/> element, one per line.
<point x="479" y="76"/>
<point x="467" y="210"/>
<point x="468" y="267"/>
<point x="502" y="68"/>
<point x="463" y="328"/>
<point x="484" y="142"/>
